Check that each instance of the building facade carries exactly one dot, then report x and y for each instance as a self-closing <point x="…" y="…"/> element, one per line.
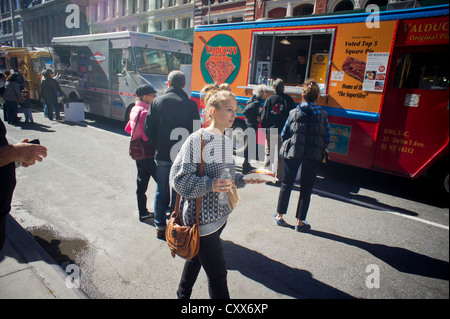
<point x="36" y="22"/>
<point x="46" y="19"/>
<point x="11" y="32"/>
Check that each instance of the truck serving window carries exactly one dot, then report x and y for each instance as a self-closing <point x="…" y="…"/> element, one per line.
<point x="292" y="57"/>
<point x="152" y="61"/>
<point x="425" y="71"/>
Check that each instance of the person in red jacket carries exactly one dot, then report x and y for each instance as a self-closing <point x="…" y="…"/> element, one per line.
<point x="146" y="168"/>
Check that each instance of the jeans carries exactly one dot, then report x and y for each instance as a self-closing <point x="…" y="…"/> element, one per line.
<point x="162" y="193"/>
<point x="307" y="179"/>
<point x="146" y="168"/>
<point x="211" y="257"/>
<point x="28" y="114"/>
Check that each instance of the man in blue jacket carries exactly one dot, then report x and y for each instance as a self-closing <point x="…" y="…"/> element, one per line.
<point x="168" y="112"/>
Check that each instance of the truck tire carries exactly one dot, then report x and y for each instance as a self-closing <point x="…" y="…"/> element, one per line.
<point x="445" y="179"/>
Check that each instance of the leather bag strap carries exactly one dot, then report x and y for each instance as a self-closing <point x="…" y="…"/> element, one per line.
<point x="135" y="125"/>
<point x="200" y="173"/>
<point x="199" y="199"/>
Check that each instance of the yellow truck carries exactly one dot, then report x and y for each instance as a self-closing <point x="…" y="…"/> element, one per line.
<point x="29" y="64"/>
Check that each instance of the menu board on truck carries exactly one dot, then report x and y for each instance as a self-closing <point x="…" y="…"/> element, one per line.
<point x="375" y="73"/>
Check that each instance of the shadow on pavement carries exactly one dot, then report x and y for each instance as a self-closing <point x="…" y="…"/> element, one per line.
<point x="402" y="259"/>
<point x="276" y="276"/>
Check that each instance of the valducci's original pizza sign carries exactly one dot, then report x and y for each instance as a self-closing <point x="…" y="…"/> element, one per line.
<point x="221" y="60"/>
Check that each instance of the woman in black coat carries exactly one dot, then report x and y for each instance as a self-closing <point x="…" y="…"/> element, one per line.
<point x="252" y="118"/>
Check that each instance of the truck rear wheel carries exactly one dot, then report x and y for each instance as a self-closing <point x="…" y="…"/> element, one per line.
<point x="446" y="187"/>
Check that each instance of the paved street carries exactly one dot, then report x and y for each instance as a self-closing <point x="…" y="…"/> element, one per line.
<point x="373" y="235"/>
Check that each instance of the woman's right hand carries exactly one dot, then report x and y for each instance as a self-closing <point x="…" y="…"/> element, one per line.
<point x="222" y="185"/>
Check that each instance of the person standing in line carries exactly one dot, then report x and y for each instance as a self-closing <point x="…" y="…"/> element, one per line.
<point x="218" y="156"/>
<point x="12" y="97"/>
<point x="26" y="106"/>
<point x="23" y="153"/>
<point x="305" y="137"/>
<point x="146" y="168"/>
<point x="274" y="114"/>
<point x="49" y="91"/>
<point x="173" y="110"/>
<point x="252" y="116"/>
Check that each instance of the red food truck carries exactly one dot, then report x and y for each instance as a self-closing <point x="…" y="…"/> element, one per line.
<point x="383" y="77"/>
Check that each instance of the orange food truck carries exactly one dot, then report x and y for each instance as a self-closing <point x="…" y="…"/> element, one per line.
<point x="383" y="78"/>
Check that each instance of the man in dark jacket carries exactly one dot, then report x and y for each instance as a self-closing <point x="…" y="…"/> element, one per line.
<point x="173" y="110"/>
<point x="274" y="115"/>
<point x="49" y="91"/>
<point x="23" y="153"/>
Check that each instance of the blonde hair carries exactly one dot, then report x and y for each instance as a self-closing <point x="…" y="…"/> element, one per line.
<point x="206" y="90"/>
<point x="215" y="99"/>
<point x="311" y="91"/>
<point x="225" y="86"/>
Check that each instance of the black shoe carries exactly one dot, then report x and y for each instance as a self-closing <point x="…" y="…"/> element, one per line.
<point x="146" y="215"/>
<point x="161" y="234"/>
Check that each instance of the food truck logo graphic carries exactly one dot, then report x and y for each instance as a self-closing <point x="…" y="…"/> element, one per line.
<point x="98" y="58"/>
<point x="221" y="60"/>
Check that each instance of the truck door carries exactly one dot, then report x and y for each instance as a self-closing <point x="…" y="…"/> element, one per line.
<point x="97" y="95"/>
<point x="414" y="123"/>
<point x="122" y="84"/>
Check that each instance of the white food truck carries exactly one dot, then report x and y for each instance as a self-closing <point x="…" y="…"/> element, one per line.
<point x="104" y="70"/>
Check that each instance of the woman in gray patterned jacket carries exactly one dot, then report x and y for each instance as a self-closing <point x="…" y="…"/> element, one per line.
<point x="218" y="155"/>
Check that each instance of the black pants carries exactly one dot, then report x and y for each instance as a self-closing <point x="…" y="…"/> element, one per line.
<point x="252" y="148"/>
<point x="2" y="230"/>
<point x="145" y="169"/>
<point x="307" y="179"/>
<point x="211" y="257"/>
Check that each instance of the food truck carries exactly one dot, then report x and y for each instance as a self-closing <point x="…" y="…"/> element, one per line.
<point x="383" y="78"/>
<point x="29" y="64"/>
<point x="103" y="70"/>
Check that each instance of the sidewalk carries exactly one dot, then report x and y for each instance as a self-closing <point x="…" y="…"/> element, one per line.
<point x="28" y="272"/>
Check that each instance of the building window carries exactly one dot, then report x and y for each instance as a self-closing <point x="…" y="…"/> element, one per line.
<point x="185" y="23"/>
<point x="277" y="13"/>
<point x="144" y="27"/>
<point x="95" y="11"/>
<point x="114" y="8"/>
<point x="170" y="24"/>
<point x="157" y="25"/>
<point x="303" y="10"/>
<point x="158" y="4"/>
<point x="124" y="7"/>
<point x="344" y="6"/>
<point x="105" y="10"/>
